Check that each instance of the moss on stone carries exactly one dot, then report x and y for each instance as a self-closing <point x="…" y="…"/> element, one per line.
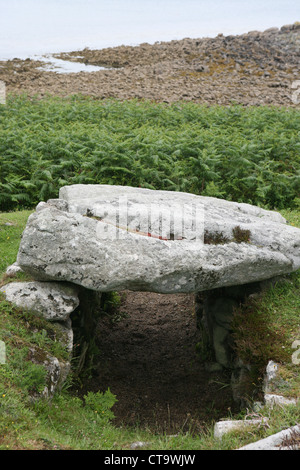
<point x="240" y="235"/>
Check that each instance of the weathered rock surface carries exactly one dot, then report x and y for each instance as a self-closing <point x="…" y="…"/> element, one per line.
<point x="109" y="238"/>
<point x="224" y="427"/>
<point x="55" y="302"/>
<point x="215" y="312"/>
<point x="56" y="371"/>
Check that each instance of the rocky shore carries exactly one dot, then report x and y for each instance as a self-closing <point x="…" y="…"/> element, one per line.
<point x="256" y="68"/>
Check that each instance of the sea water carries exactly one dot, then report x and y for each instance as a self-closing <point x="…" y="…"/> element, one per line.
<point x="37" y="27"/>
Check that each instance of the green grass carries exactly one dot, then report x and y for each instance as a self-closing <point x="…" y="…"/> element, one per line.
<point x="69" y="422"/>
<point x="244" y="154"/>
<point x="248" y="155"/>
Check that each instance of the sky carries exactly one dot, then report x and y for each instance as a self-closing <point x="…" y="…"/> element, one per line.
<point x="29" y="27"/>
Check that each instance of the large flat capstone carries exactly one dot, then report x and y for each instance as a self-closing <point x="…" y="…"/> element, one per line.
<point x="109" y="238"/>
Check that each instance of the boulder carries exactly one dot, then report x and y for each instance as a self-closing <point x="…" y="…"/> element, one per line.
<point x="108" y="238"/>
<point x="54" y="301"/>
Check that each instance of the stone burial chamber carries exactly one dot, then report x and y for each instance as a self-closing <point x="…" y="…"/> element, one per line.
<point x="101" y="238"/>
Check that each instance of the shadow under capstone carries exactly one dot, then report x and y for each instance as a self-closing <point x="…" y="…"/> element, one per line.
<point x="149" y="358"/>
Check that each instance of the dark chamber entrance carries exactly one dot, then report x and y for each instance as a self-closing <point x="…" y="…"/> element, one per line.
<point x="149" y="359"/>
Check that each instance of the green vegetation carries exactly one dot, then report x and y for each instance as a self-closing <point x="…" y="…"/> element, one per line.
<point x="249" y="155"/>
<point x="240" y="235"/>
<point x="265" y="328"/>
<point x="11" y="228"/>
<point x="70" y="422"/>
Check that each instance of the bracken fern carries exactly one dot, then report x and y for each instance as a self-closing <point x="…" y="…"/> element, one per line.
<point x="244" y="154"/>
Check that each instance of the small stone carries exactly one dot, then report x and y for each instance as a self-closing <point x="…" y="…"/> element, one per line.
<point x="273" y="400"/>
<point x="272" y="30"/>
<point x="57" y="372"/>
<point x="13" y="269"/>
<point x="224" y="427"/>
<point x="85" y="245"/>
